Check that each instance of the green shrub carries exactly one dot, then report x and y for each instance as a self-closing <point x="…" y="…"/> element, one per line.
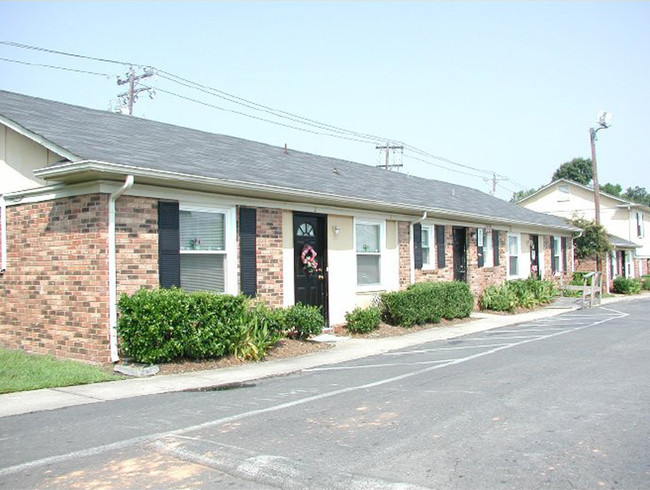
<point x="159" y="325"/>
<point x="624" y="285"/>
<point x="303" y="321"/>
<point x="427" y="302"/>
<point x="645" y="282"/>
<point x="524" y="293"/>
<point x="363" y="320"/>
<point x="498" y="298"/>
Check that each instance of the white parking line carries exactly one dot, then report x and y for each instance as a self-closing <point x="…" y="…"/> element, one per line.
<point x="422" y="351"/>
<point x="505" y="337"/>
<point x="367" y="366"/>
<point x="53" y="460"/>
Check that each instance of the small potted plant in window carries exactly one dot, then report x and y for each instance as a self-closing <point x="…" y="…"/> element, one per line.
<point x="195" y="243"/>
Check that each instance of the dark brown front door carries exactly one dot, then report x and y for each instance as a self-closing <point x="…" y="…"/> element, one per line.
<point x="310" y="259"/>
<point x="534" y="256"/>
<point x="460" y="253"/>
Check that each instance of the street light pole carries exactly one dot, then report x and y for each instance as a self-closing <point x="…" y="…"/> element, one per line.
<point x="604" y="119"/>
<point x="594" y="170"/>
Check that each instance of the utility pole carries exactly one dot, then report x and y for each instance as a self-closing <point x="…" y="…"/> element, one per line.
<point x="387" y="149"/>
<point x="494" y="182"/>
<point x="129" y="97"/>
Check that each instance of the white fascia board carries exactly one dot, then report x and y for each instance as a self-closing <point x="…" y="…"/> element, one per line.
<point x="332" y="199"/>
<point x="38" y="139"/>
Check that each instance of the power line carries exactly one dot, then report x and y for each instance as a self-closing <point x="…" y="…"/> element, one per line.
<point x="41" y="65"/>
<point x="158" y="89"/>
<point x="63" y="53"/>
<point x="428" y="162"/>
<point x="333" y="131"/>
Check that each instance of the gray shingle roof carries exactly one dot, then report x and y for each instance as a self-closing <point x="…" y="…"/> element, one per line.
<point x="619" y="242"/>
<point x="91" y="134"/>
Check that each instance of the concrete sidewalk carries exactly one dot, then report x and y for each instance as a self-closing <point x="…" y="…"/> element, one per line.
<point x="345" y="350"/>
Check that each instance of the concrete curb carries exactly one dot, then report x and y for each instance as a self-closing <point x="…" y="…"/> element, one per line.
<point x="351" y="349"/>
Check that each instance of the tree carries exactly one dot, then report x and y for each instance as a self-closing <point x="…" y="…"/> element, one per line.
<point x="638" y="195"/>
<point x="611" y="189"/>
<point x="592" y="241"/>
<point x="519" y="195"/>
<point x="577" y="170"/>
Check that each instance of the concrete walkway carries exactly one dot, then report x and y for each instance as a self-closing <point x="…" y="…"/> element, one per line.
<point x="345" y="350"/>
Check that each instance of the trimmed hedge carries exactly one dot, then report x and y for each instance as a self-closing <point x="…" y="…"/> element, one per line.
<point x="160" y="325"/>
<point x="363" y="320"/>
<point x="625" y="285"/>
<point x="427" y="302"/>
<point x="302" y="321"/>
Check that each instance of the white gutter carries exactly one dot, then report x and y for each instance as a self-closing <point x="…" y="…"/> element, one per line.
<point x="98" y="166"/>
<point x="412" y="268"/>
<point x="112" y="268"/>
<point x="3" y="235"/>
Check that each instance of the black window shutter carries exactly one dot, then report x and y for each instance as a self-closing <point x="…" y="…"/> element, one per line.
<point x="495" y="246"/>
<point x="417" y="245"/>
<point x="169" y="257"/>
<point x="479" y="251"/>
<point x="564" y="260"/>
<point x="553" y="254"/>
<point x="247" y="249"/>
<point x="440" y="245"/>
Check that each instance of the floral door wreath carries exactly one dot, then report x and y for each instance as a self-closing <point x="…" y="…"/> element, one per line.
<point x="308" y="257"/>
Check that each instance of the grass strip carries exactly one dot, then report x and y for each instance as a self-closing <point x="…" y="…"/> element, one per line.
<point x="23" y="372"/>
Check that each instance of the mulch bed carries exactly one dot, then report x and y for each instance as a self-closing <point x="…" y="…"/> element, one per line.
<point x="292" y="348"/>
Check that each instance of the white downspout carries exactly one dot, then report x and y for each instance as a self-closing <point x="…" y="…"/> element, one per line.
<point x="412" y="268"/>
<point x="112" y="268"/>
<point x="3" y="235"/>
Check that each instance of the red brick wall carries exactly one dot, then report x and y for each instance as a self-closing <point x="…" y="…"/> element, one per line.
<point x="270" y="282"/>
<point x="482" y="277"/>
<point x="447" y="272"/>
<point x="478" y="277"/>
<point x="136" y="244"/>
<point x="55" y="288"/>
<point x="404" y="250"/>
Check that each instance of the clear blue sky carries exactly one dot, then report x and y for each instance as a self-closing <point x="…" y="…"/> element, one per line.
<point x="511" y="87"/>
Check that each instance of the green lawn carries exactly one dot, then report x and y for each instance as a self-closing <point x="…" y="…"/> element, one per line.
<point x="23" y="372"/>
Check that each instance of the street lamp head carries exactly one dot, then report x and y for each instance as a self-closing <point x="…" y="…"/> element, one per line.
<point x="604" y="119"/>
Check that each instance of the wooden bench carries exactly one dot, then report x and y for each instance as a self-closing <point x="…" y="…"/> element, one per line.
<point x="592" y="287"/>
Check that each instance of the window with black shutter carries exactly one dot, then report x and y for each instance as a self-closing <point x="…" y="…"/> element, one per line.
<point x="247" y="247"/>
<point x="479" y="246"/>
<point x="495" y="246"/>
<point x="440" y="245"/>
<point x="564" y="254"/>
<point x="417" y="245"/>
<point x="169" y="259"/>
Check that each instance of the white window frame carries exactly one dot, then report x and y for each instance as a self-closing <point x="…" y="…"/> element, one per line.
<point x="640" y="229"/>
<point x="557" y="252"/>
<point x="380" y="254"/>
<point x="488" y="249"/>
<point x="430" y="229"/>
<point x="517" y="236"/>
<point x="230" y="243"/>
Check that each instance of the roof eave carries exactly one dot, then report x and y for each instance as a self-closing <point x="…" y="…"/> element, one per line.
<point x="38" y="139"/>
<point x="68" y="169"/>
